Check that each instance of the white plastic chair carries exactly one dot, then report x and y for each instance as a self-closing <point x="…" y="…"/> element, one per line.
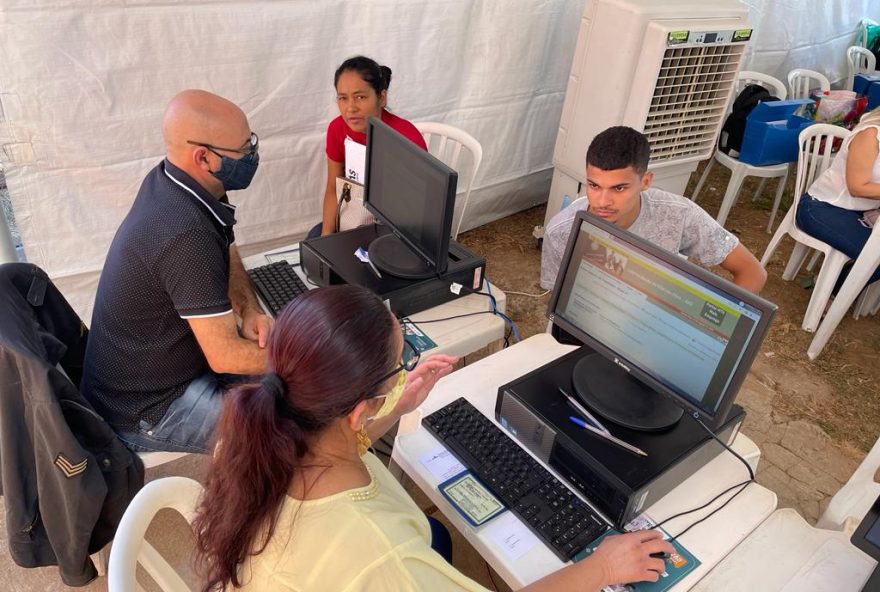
<point x="813" y="158"/>
<point x="869" y="302"/>
<point x="151" y="460"/>
<point x="858" y="61"/>
<point x="861" y="271"/>
<point x="154" y="459"/>
<point x="854" y="499"/>
<point x="801" y="81"/>
<point x="740" y="170"/>
<point x="450" y="142"/>
<point x="130" y="548"/>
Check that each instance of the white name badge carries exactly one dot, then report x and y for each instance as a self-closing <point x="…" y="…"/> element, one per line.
<point x="355" y="160"/>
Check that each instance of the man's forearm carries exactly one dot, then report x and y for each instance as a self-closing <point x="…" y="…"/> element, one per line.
<point x="751" y="280"/>
<point x="241" y="294"/>
<point x="226" y="351"/>
<point x="241" y="357"/>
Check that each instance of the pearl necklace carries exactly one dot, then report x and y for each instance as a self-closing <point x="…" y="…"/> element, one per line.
<point x="364" y="494"/>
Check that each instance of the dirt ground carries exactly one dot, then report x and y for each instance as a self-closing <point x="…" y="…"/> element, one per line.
<point x="837" y="392"/>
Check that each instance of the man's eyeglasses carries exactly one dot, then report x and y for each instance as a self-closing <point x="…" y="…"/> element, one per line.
<point x="410" y="359"/>
<point x="252" y="148"/>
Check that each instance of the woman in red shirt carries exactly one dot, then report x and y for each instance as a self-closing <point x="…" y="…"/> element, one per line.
<point x="361" y="92"/>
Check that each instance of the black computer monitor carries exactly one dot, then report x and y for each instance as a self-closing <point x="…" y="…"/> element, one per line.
<point x="413" y="193"/>
<point x="867" y="538"/>
<point x="667" y="335"/>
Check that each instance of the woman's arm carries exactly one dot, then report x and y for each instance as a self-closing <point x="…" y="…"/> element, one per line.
<point x="334" y="169"/>
<point x="419" y="383"/>
<point x="860" y="160"/>
<point x="619" y="559"/>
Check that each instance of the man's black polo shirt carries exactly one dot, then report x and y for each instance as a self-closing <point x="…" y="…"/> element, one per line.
<point x="169" y="261"/>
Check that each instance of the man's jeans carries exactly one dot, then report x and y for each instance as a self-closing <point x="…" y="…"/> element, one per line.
<point x="838" y="227"/>
<point x="189" y="422"/>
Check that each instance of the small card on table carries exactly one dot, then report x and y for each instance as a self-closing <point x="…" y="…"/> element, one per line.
<point x="471" y="498"/>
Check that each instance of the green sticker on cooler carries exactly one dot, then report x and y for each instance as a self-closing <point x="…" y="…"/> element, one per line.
<point x="677" y="37"/>
<point x="742" y="35"/>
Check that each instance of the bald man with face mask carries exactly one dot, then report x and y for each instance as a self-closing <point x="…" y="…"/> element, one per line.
<point x="165" y="342"/>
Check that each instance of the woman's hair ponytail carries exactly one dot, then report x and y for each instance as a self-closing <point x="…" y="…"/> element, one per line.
<point x="327" y="349"/>
<point x="386" y="77"/>
<point x="253" y="465"/>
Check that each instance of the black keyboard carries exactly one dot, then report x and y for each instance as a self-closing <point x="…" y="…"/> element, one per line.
<point x="561" y="519"/>
<point x="277" y="284"/>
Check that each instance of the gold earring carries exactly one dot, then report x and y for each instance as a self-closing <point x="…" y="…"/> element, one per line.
<point x="363" y="441"/>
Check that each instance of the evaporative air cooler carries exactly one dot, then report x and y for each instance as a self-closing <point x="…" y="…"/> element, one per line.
<point x="666" y="68"/>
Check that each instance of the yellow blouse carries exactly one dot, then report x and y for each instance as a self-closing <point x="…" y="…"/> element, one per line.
<point x="373" y="538"/>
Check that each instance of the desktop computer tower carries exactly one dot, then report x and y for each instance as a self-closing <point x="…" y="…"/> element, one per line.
<point x="331" y="259"/>
<point x="617" y="482"/>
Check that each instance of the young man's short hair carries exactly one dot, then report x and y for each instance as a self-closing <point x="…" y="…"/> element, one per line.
<point x="619" y="147"/>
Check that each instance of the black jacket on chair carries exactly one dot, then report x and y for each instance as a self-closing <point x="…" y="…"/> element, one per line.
<point x="66" y="478"/>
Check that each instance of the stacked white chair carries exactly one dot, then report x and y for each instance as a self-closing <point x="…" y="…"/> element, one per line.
<point x="801" y="81"/>
<point x="129" y="547"/>
<point x="448" y="149"/>
<point x="858" y="61"/>
<point x="853" y="500"/>
<point x="814" y="156"/>
<point x="858" y="276"/>
<point x="740" y="170"/>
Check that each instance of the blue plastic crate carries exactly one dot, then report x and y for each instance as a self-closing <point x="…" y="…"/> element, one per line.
<point x="771" y="134"/>
<point x="873" y="96"/>
<point x="861" y="82"/>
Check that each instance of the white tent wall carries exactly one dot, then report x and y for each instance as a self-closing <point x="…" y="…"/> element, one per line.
<point x="811" y="34"/>
<point x="83" y="85"/>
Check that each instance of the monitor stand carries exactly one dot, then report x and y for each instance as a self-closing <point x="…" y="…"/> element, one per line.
<point x="611" y="392"/>
<point x="394" y="257"/>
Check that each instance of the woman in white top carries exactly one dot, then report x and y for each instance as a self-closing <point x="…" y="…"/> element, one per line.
<point x="294" y="501"/>
<point x="832" y="209"/>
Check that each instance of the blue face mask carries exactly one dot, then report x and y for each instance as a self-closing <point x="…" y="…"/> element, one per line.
<point x="237" y="173"/>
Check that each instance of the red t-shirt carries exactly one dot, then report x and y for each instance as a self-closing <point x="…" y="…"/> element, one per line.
<point x="338" y="130"/>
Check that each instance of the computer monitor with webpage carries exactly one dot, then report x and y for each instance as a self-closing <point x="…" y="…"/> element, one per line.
<point x="413" y="193"/>
<point x="667" y="335"/>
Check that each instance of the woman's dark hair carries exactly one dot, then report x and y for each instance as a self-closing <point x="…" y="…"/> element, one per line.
<point x="327" y="349"/>
<point x="379" y="77"/>
<point x="619" y="147"/>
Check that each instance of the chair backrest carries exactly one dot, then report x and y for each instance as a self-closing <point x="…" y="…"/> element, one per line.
<point x="856" y="497"/>
<point x="129" y="547"/>
<point x="814" y="154"/>
<point x="801" y="81"/>
<point x="447" y="147"/>
<point x="774" y="85"/>
<point x="858" y="60"/>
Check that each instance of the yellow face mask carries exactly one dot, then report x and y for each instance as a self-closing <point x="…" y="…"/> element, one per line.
<point x="392" y="397"/>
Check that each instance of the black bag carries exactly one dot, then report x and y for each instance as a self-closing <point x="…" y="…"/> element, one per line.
<point x="731" y="137"/>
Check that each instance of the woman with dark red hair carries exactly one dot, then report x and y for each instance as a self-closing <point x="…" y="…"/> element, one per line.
<point x="294" y="501"/>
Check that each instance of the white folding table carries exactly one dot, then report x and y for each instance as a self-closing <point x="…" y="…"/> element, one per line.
<point x="455" y="337"/>
<point x="786" y="554"/>
<point x="709" y="541"/>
